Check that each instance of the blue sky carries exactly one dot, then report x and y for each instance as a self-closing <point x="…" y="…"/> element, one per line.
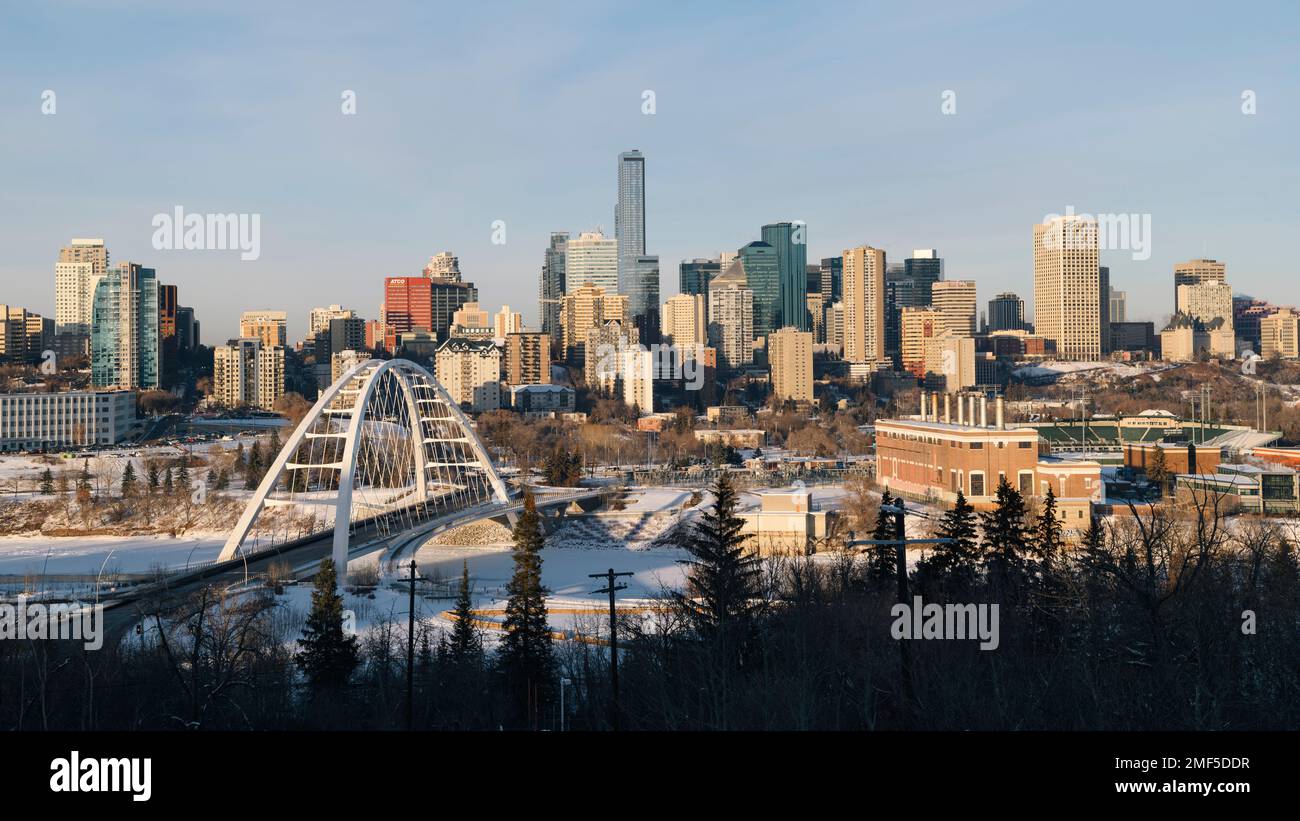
<point x="470" y="113"/>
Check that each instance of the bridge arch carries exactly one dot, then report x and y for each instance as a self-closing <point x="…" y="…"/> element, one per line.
<point x="384" y="449"/>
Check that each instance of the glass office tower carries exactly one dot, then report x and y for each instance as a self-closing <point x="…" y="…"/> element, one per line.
<point x="124" y="329"/>
<point x="790" y="242"/>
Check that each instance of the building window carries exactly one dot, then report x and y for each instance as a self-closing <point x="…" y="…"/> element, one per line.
<point x="1026" y="484"/>
<point x="977" y="484"/>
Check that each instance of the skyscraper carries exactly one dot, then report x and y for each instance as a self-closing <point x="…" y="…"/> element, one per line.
<point x="591" y="259"/>
<point x="955" y="299"/>
<point x="1103" y="307"/>
<point x="552" y="285"/>
<point x="1006" y="312"/>
<point x="1118" y="306"/>
<point x="790" y="242"/>
<point x="443" y="266"/>
<point x="272" y="327"/>
<point x="684" y="321"/>
<point x="1197" y="271"/>
<point x="864" y="304"/>
<point x="629" y="218"/>
<point x="642" y="291"/>
<point x="82" y="263"/>
<point x="694" y="276"/>
<point x="789" y="352"/>
<point x="832" y="279"/>
<point x="586" y="307"/>
<point x="924" y="267"/>
<point x="763" y="277"/>
<point x="407" y="307"/>
<point x="1067" y="286"/>
<point x="731" y="319"/>
<point x="124" y="329"/>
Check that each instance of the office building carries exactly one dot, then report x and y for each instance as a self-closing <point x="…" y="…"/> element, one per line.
<point x="507" y="322"/>
<point x="1006" y="313"/>
<point x="949" y="362"/>
<point x="591" y="259"/>
<point x="1279" y="335"/>
<point x="319" y="318"/>
<point x="694" y="276"/>
<point x="1067" y="295"/>
<point x="832" y="279"/>
<point x="552" y="287"/>
<point x="759" y="261"/>
<point x="585" y="307"/>
<point x="790" y="243"/>
<point x="469" y="321"/>
<point x="71" y="419"/>
<point x="1118" y="308"/>
<point x="641" y="288"/>
<point x="917" y="326"/>
<point x="955" y="299"/>
<point x="1198" y="272"/>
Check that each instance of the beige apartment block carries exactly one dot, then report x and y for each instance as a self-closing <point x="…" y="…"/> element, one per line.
<point x="1280" y="334"/>
<point x="916" y="327"/>
<point x="1067" y="286"/>
<point x="864" y="304"/>
<point x="583" y="308"/>
<point x="271" y="327"/>
<point x="1197" y="272"/>
<point x="789" y="351"/>
<point x="685" y="321"/>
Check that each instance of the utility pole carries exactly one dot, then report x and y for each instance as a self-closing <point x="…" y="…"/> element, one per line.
<point x="410" y="649"/>
<point x="611" y="587"/>
<point x="900" y="543"/>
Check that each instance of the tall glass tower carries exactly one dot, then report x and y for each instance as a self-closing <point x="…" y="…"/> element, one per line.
<point x="643" y="298"/>
<point x="551" y="289"/>
<point x="763" y="275"/>
<point x="124" y="329"/>
<point x="629" y="216"/>
<point x="790" y="242"/>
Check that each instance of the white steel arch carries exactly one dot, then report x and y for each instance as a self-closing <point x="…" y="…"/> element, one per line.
<point x="383" y="449"/>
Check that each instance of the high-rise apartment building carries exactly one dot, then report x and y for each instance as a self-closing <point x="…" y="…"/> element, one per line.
<point x="507" y="322"/>
<point x="955" y="299"/>
<point x="816" y="317"/>
<point x="82" y="263"/>
<point x="685" y="320"/>
<point x="470" y="371"/>
<point x="552" y="286"/>
<point x="24" y="335"/>
<point x="864" y="304"/>
<point x="246" y="372"/>
<point x="444" y="266"/>
<point x="629" y="225"/>
<point x="835" y="325"/>
<point x="124" y="329"/>
<point x="527" y="358"/>
<point x="731" y="317"/>
<point x="591" y="259"/>
<point x="585" y="307"/>
<point x="319" y="318"/>
<point x="1103" y="307"/>
<point x="790" y="242"/>
<point x="789" y="352"/>
<point x="1006" y="312"/>
<point x="272" y="327"/>
<point x="917" y="326"/>
<point x="1067" y="292"/>
<point x="470" y="321"/>
<point x="168" y="340"/>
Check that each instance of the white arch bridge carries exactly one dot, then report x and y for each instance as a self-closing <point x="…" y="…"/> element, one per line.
<point x="384" y="452"/>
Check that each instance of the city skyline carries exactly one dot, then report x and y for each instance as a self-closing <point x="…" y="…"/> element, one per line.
<point x="347" y="200"/>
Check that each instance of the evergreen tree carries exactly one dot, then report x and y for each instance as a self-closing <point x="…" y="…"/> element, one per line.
<point x="239" y="456"/>
<point x="255" y="464"/>
<point x="1006" y="540"/>
<point x="466" y="646"/>
<point x="183" y="476"/>
<point x="723" y="575"/>
<point x="212" y="477"/>
<point x="525" y="656"/>
<point x="83" y="481"/>
<point x="168" y="485"/>
<point x="152" y="477"/>
<point x="274" y="447"/>
<point x="326" y="655"/>
<point x="47" y="483"/>
<point x="1048" y="539"/>
<point x="223" y="480"/>
<point x="953" y="567"/>
<point x="128" y="480"/>
<point x="882" y="565"/>
<point x="1158" y="469"/>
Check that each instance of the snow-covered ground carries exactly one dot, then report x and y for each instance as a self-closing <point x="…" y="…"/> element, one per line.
<point x="21" y="555"/>
<point x="1051" y="370"/>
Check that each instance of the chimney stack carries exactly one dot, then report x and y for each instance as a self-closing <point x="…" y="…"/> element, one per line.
<point x="947" y="408"/>
<point x="923" y="405"/>
<point x="997" y="404"/>
<point x="934" y="407"/>
<point x="971" y="417"/>
<point x="961" y="409"/>
<point x="984" y="414"/>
